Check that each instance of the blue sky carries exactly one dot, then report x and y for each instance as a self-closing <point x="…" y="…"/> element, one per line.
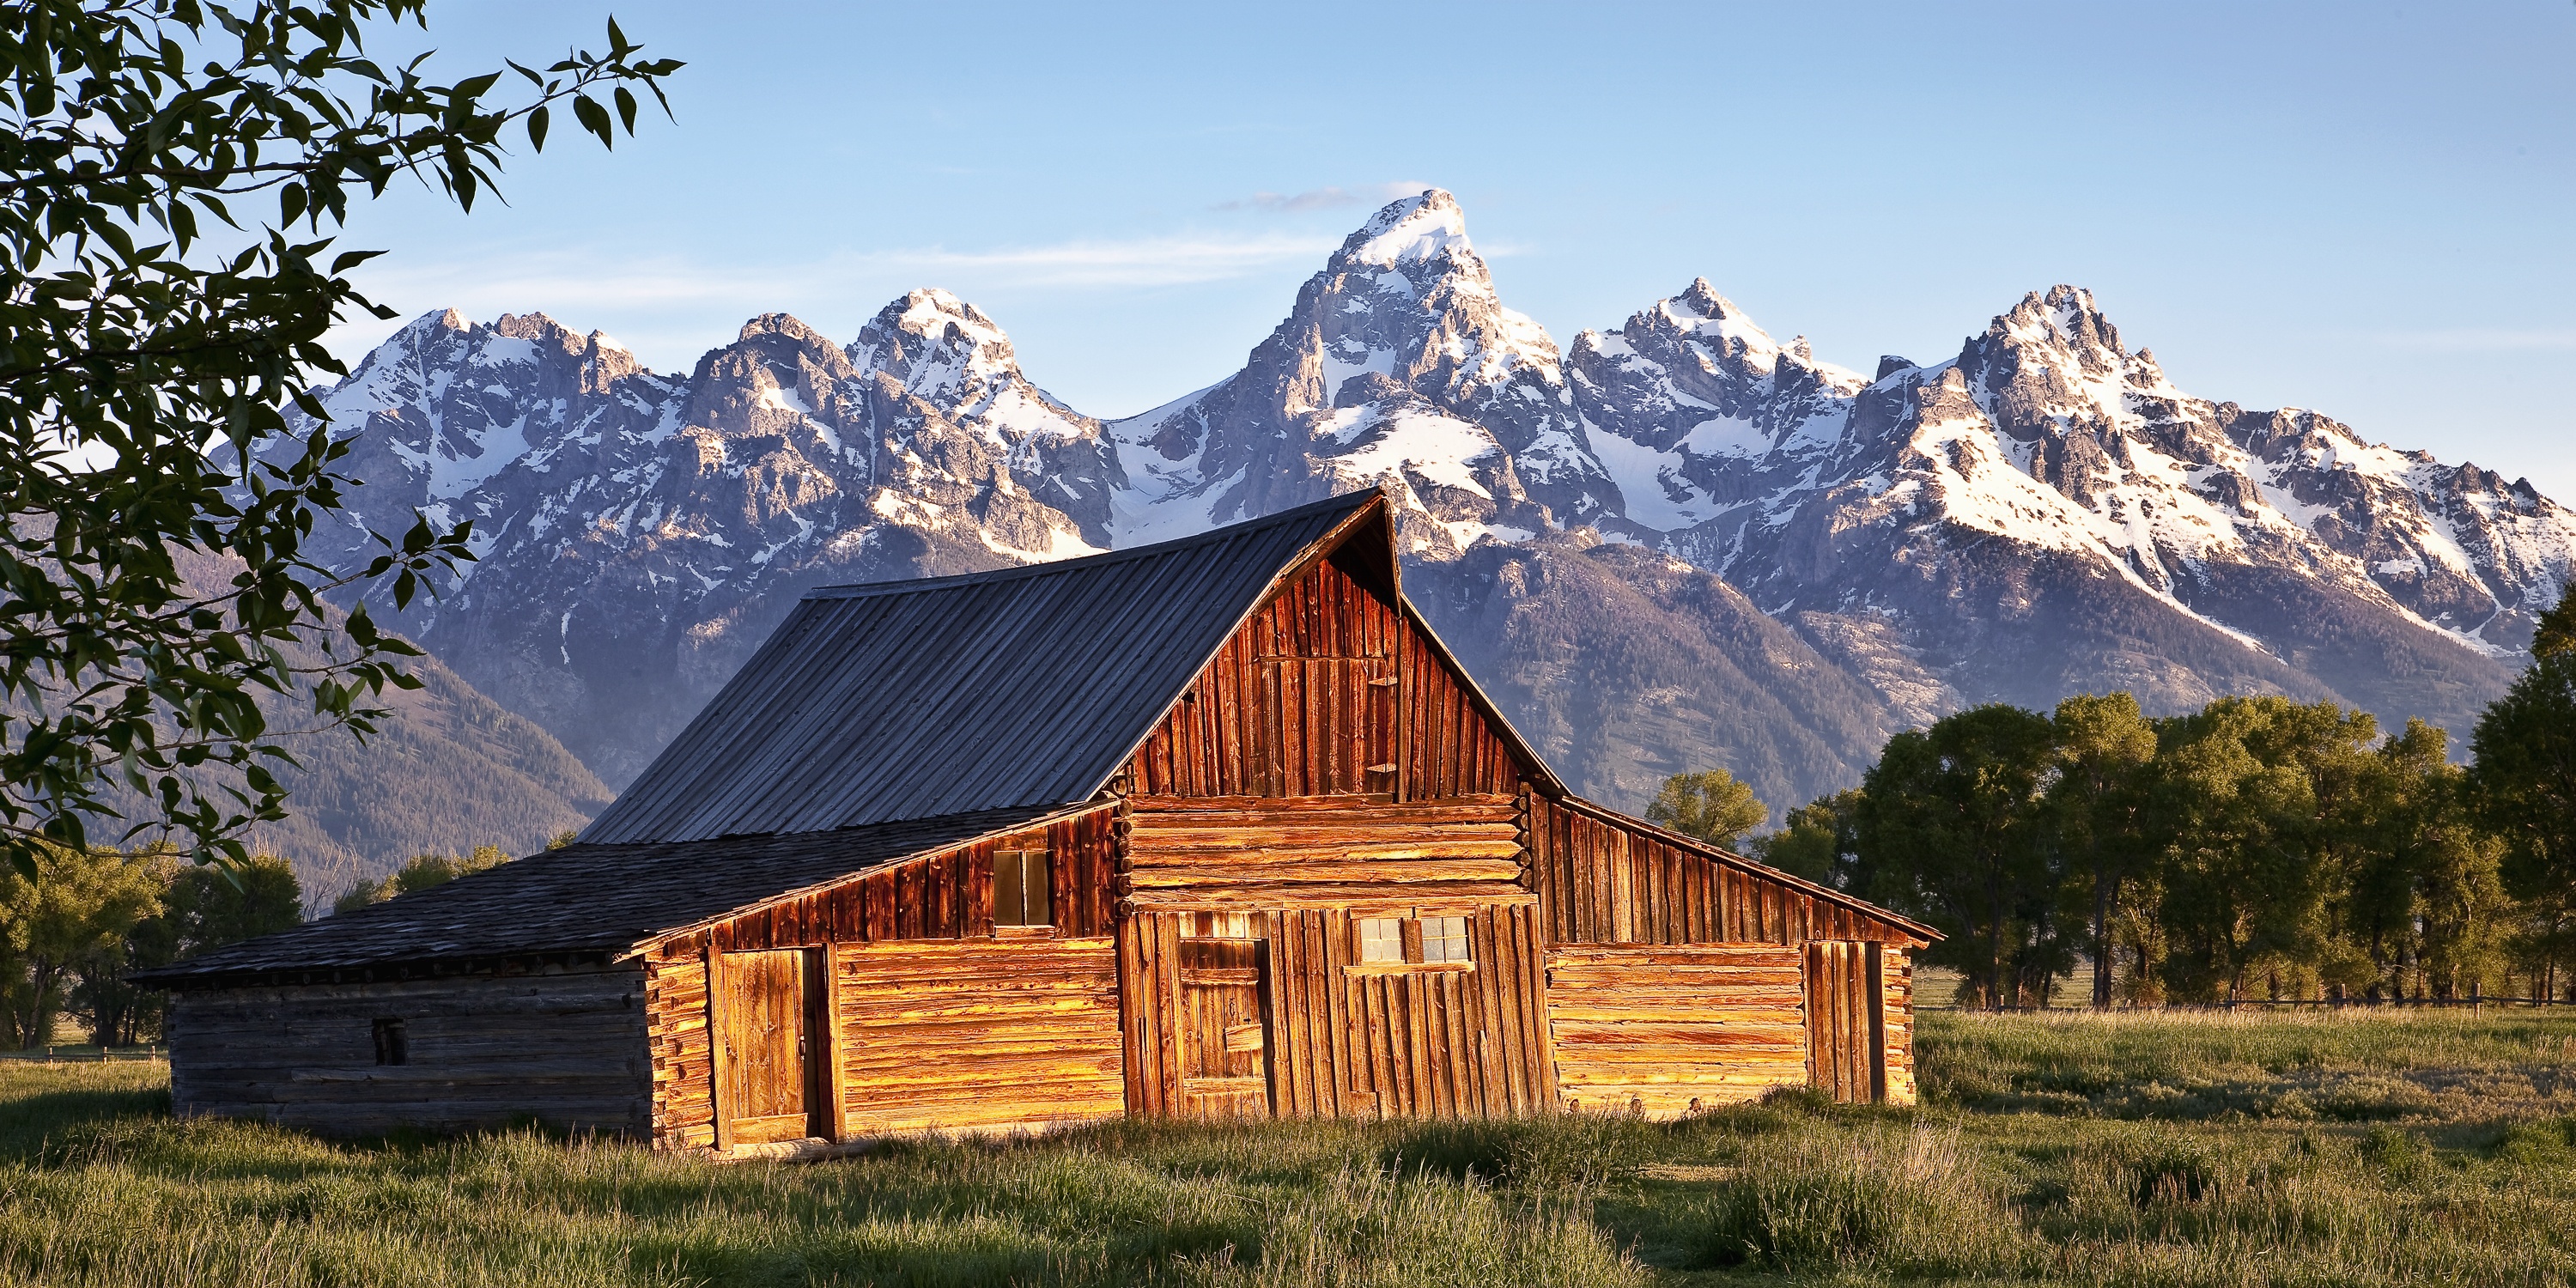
<point x="2362" y="208"/>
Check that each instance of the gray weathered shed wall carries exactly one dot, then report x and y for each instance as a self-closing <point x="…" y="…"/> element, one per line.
<point x="567" y="1049"/>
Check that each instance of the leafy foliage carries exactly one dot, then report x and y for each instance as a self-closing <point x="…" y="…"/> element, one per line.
<point x="421" y="873"/>
<point x="200" y="908"/>
<point x="2258" y="847"/>
<point x="2525" y="775"/>
<point x="153" y="332"/>
<point x="1709" y="805"/>
<point x="1951" y="824"/>
<point x="1819" y="840"/>
<point x="74" y="912"/>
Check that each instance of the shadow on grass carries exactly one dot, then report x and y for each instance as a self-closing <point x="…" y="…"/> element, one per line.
<point x="39" y="1127"/>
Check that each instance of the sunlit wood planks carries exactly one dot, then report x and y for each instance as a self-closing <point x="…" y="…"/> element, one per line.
<point x="1663" y="1030"/>
<point x="979" y="1034"/>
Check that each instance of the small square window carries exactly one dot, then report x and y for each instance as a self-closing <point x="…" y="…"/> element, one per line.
<point x="1381" y="939"/>
<point x="1444" y="939"/>
<point x="393" y="1044"/>
<point x="1020" y="889"/>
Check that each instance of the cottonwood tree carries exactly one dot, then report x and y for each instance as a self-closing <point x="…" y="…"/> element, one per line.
<point x="2101" y="807"/>
<point x="1952" y="824"/>
<point x="1819" y="841"/>
<point x="421" y="872"/>
<point x="1709" y="804"/>
<point x="75" y="908"/>
<point x="2523" y="778"/>
<point x="201" y="908"/>
<point x="2261" y="795"/>
<point x="173" y="174"/>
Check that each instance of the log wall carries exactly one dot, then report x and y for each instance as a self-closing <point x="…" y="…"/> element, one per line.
<point x="1343" y="1039"/>
<point x="1664" y="1030"/>
<point x="682" y="1047"/>
<point x="567" y="1049"/>
<point x="1328" y="689"/>
<point x="944" y="897"/>
<point x="978" y="1034"/>
<point x="1896" y="976"/>
<point x="1249" y="852"/>
<point x="1601" y="880"/>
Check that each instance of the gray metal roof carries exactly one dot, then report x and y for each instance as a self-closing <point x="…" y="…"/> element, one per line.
<point x="919" y="699"/>
<point x="582" y="899"/>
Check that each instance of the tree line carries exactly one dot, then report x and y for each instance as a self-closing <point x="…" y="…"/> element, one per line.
<point x="2258" y="848"/>
<point x="72" y="929"/>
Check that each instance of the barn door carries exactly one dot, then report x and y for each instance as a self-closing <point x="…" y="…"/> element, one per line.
<point x="1846" y="1020"/>
<point x="1224" y="1033"/>
<point x="764" y="1074"/>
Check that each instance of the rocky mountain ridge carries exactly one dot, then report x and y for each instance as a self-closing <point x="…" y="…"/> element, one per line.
<point x="1674" y="544"/>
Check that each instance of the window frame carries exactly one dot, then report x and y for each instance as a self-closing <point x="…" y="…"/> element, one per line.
<point x="1415" y="937"/>
<point x="1024" y="863"/>
<point x="392" y="1038"/>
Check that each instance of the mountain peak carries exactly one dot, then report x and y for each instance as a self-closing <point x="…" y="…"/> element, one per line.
<point x="939" y="346"/>
<point x="2066" y="317"/>
<point x="1411" y="230"/>
<point x="782" y="324"/>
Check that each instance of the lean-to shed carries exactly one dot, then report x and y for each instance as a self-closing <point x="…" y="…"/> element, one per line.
<point x="1215" y="827"/>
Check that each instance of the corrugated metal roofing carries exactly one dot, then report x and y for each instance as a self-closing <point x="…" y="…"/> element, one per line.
<point x="920" y="699"/>
<point x="579" y="899"/>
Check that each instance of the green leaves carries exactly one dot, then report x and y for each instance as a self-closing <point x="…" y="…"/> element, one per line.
<point x="1710" y="805"/>
<point x="163" y="456"/>
<point x="2257" y="847"/>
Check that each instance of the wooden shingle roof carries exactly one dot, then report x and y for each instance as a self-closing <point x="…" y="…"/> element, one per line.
<point x="582" y="900"/>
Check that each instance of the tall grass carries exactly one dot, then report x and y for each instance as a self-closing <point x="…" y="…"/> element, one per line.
<point x="2191" y="1150"/>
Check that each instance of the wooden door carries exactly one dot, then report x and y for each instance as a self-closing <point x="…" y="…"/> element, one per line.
<point x="1846" y="1020"/>
<point x="1224" y="1037"/>
<point x="764" y="1078"/>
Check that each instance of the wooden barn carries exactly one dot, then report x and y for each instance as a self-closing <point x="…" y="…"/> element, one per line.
<point x="1215" y="827"/>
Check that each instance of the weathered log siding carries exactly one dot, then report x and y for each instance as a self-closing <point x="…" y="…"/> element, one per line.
<point x="1601" y="881"/>
<point x="1249" y="852"/>
<point x="1352" y="1043"/>
<point x="978" y="1034"/>
<point x="1664" y="1030"/>
<point x="1846" y="1028"/>
<point x="1327" y="690"/>
<point x="675" y="994"/>
<point x="944" y="895"/>
<point x="1896" y="976"/>
<point x="566" y="1048"/>
<point x="941" y="897"/>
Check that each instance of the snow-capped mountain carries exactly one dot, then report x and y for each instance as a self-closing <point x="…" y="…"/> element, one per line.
<point x="1679" y="543"/>
<point x="2046" y="512"/>
<point x="1398" y="366"/>
<point x="637" y="534"/>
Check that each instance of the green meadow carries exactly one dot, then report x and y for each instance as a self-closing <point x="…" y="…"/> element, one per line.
<point x="2130" y="1149"/>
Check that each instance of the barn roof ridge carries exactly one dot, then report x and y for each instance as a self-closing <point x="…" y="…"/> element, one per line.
<point x="1347" y="503"/>
<point x="1015" y="687"/>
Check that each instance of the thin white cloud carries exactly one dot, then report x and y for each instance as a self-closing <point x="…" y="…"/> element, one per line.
<point x="579" y="285"/>
<point x="1154" y="261"/>
<point x="1277" y="203"/>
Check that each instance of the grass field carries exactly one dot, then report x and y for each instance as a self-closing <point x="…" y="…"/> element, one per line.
<point x="2146" y="1150"/>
